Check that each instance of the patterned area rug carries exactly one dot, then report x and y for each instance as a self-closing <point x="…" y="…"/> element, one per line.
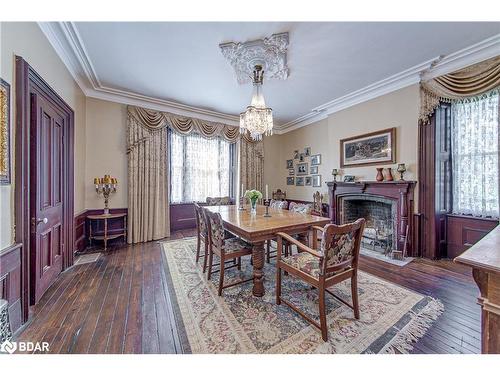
<point x="392" y="317"/>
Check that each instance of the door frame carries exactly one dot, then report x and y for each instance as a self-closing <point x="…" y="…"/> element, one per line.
<point x="28" y="79"/>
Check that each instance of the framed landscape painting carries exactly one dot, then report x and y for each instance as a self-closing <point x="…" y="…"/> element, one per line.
<point x="373" y="148"/>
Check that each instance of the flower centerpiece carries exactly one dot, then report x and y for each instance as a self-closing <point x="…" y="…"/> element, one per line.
<point x="252" y="196"/>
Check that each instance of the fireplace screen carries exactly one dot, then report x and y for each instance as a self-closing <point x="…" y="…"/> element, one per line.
<point x="380" y="215"/>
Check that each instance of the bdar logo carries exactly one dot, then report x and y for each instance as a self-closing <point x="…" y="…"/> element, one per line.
<point x="8" y="347"/>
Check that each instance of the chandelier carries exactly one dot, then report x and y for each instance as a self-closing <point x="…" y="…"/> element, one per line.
<point x="257" y="119"/>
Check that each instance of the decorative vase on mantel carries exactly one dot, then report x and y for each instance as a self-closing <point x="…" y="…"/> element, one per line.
<point x="388" y="176"/>
<point x="380" y="175"/>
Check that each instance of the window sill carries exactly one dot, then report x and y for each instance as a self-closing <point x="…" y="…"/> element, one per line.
<point x="472" y="217"/>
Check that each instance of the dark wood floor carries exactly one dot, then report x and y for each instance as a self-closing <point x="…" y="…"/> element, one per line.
<point x="120" y="304"/>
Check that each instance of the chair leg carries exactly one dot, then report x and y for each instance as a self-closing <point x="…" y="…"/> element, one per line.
<point x="198" y="246"/>
<point x="221" y="276"/>
<point x="354" y="292"/>
<point x="278" y="285"/>
<point x="322" y="313"/>
<point x="268" y="251"/>
<point x="210" y="262"/>
<point x="205" y="258"/>
<point x="239" y="264"/>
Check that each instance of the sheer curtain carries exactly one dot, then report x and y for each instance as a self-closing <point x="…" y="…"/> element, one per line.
<point x="200" y="168"/>
<point x="475" y="156"/>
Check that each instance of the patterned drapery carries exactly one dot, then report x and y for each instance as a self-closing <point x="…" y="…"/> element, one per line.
<point x="475" y="155"/>
<point x="472" y="81"/>
<point x="148" y="182"/>
<point x="148" y="166"/>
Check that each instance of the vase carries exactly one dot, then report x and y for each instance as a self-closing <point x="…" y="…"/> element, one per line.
<point x="253" y="205"/>
<point x="380" y="176"/>
<point x="388" y="176"/>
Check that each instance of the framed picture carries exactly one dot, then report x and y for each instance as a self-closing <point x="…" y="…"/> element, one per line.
<point x="299" y="181"/>
<point x="348" y="178"/>
<point x="296" y="154"/>
<point x="290" y="181"/>
<point x="302" y="157"/>
<point x="373" y="148"/>
<point x="308" y="181"/>
<point x="316" y="159"/>
<point x="307" y="151"/>
<point x="4" y="133"/>
<point x="316" y="180"/>
<point x="302" y="169"/>
<point x="289" y="163"/>
<point x="291" y="172"/>
<point x="314" y="170"/>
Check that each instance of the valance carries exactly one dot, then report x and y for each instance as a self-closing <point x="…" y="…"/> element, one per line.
<point x="472" y="81"/>
<point x="156" y="120"/>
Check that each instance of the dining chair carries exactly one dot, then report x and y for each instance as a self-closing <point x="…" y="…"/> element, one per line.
<point x="335" y="261"/>
<point x="226" y="249"/>
<point x="201" y="235"/>
<point x="219" y="201"/>
<point x="278" y="205"/>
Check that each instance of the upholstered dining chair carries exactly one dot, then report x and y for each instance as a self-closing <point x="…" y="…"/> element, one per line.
<point x="226" y="249"/>
<point x="335" y="261"/>
<point x="201" y="235"/>
<point x="278" y="205"/>
<point x="219" y="201"/>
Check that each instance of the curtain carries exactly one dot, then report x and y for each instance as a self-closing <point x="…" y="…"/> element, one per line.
<point x="469" y="82"/>
<point x="251" y="164"/>
<point x="475" y="155"/>
<point x="200" y="168"/>
<point x="148" y="208"/>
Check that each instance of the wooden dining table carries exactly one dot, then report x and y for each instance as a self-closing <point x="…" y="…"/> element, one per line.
<point x="257" y="229"/>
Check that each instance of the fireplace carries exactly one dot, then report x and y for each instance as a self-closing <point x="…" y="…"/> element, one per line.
<point x="387" y="208"/>
<point x="380" y="215"/>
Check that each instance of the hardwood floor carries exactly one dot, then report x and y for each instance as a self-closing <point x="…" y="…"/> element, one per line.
<point x="120" y="304"/>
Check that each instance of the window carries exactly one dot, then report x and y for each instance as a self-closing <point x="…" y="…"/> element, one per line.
<point x="474" y="156"/>
<point x="200" y="168"/>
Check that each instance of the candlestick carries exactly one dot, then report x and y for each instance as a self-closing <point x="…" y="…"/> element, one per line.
<point x="266" y="204"/>
<point x="267" y="193"/>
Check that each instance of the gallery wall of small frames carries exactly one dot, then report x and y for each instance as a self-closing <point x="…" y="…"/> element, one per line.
<point x="303" y="168"/>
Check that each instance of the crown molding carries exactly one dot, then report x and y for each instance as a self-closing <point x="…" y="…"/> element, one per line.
<point x="435" y="67"/>
<point x="66" y="41"/>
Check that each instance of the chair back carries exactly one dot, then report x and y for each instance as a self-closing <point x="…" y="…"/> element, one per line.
<point x="219" y="201"/>
<point x="340" y="246"/>
<point x="302" y="208"/>
<point x="215" y="229"/>
<point x="279" y="195"/>
<point x="201" y="222"/>
<point x="317" y="203"/>
<point x="277" y="204"/>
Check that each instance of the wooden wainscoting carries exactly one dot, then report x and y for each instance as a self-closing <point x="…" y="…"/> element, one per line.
<point x="182" y="216"/>
<point x="11" y="284"/>
<point x="462" y="232"/>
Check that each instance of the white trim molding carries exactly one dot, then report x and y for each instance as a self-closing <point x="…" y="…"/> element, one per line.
<point x="65" y="39"/>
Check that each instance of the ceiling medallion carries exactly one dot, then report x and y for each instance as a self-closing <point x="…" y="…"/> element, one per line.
<point x="270" y="53"/>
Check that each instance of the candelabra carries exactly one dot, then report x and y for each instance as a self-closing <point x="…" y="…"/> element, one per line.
<point x="105" y="186"/>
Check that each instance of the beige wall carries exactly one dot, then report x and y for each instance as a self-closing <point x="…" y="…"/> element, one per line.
<point x="398" y="109"/>
<point x="106" y="150"/>
<point x="27" y="40"/>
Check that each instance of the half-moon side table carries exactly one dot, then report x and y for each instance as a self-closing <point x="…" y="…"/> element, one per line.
<point x="107" y="234"/>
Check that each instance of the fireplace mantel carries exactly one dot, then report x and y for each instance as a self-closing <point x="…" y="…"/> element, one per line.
<point x="400" y="191"/>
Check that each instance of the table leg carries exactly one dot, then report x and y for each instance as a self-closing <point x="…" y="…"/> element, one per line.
<point x="258" y="264"/>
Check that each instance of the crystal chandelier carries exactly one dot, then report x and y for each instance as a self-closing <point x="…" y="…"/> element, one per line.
<point x="257" y="119"/>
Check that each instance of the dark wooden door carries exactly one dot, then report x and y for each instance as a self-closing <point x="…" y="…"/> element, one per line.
<point x="46" y="171"/>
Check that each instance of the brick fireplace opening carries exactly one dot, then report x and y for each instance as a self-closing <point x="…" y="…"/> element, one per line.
<point x="381" y="220"/>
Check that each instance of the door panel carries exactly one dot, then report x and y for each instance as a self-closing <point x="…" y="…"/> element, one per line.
<point x="47" y="244"/>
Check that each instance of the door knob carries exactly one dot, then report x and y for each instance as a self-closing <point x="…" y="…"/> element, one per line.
<point x="44" y="220"/>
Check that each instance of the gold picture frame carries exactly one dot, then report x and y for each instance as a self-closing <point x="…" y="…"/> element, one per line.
<point x="369" y="149"/>
<point x="4" y="133"/>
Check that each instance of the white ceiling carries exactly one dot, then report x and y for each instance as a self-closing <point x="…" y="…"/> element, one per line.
<point x="181" y="62"/>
